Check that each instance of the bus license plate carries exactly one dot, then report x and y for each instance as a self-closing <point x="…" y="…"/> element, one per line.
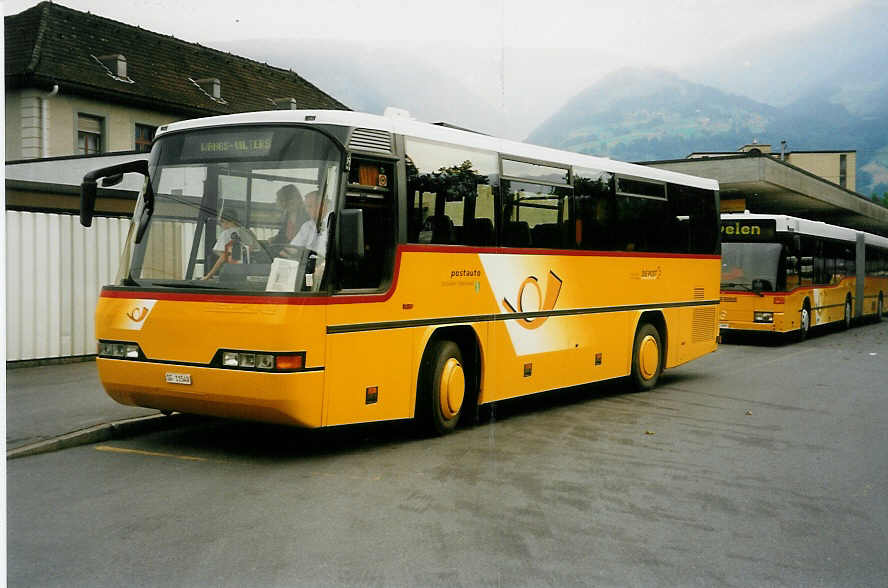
<point x="724" y="326"/>
<point x="172" y="378"/>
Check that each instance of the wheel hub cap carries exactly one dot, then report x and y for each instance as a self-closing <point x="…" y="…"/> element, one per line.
<point x="453" y="388"/>
<point x="649" y="357"/>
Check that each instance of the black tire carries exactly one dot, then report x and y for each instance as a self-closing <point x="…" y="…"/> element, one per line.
<point x="804" y="322"/>
<point x="647" y="358"/>
<point x="880" y="309"/>
<point x="440" y="399"/>
<point x="846" y="320"/>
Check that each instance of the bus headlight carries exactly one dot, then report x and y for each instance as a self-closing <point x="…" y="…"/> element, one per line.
<point x="763" y="317"/>
<point x="119" y="350"/>
<point x="255" y="360"/>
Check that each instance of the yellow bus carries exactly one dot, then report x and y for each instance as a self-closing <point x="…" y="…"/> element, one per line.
<point x="782" y="274"/>
<point x="380" y="268"/>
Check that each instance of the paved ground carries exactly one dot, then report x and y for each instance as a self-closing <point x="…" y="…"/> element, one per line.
<point x="46" y="401"/>
<point x="759" y="465"/>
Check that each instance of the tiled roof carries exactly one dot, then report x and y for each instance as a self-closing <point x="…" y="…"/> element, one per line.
<point x="51" y="44"/>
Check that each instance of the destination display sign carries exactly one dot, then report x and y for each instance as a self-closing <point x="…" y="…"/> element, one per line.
<point x="231" y="144"/>
<point x="749" y="230"/>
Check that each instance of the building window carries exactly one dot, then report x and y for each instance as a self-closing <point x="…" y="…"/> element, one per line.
<point x="89" y="134"/>
<point x="843" y="170"/>
<point x="144" y="136"/>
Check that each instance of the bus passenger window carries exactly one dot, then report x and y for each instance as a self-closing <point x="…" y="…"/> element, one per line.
<point x="450" y="194"/>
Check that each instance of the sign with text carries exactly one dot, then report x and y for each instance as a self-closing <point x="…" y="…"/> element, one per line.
<point x="230" y="144"/>
<point x="748" y="230"/>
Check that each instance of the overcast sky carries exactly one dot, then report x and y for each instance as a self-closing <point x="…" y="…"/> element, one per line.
<point x="650" y="32"/>
<point x="554" y="48"/>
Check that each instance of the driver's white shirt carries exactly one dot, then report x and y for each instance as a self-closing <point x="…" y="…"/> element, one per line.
<point x="308" y="237"/>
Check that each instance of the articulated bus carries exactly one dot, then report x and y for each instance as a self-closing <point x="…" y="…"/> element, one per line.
<point x="782" y="274"/>
<point x="445" y="269"/>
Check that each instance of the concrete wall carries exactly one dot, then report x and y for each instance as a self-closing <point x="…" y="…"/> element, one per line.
<point x="24" y="123"/>
<point x="13" y="126"/>
<point x="826" y="165"/>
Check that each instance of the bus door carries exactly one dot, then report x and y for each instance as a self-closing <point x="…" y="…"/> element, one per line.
<point x="368" y="354"/>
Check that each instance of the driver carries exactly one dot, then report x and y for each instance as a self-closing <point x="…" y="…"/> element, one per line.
<point x="308" y="236"/>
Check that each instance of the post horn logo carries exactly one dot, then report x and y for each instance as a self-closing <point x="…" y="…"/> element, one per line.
<point x="138" y="314"/>
<point x="553" y="288"/>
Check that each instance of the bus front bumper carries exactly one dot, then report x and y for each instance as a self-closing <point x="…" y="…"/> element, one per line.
<point x="287" y="398"/>
<point x="779" y="325"/>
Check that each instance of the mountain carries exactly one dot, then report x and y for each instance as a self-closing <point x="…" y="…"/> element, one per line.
<point x="840" y="60"/>
<point x="644" y="114"/>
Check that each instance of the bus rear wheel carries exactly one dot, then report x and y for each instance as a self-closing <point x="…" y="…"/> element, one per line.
<point x="442" y="388"/>
<point x="647" y="358"/>
<point x="846" y="320"/>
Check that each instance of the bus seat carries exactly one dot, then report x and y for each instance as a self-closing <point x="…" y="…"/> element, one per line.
<point x="546" y="235"/>
<point x="516" y="234"/>
<point x="414" y="224"/>
<point x="442" y="229"/>
<point x="480" y="232"/>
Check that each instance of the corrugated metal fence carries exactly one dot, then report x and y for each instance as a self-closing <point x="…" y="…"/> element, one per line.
<point x="54" y="271"/>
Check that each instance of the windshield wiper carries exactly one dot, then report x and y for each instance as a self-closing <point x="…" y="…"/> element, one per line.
<point x="200" y="286"/>
<point x="744" y="286"/>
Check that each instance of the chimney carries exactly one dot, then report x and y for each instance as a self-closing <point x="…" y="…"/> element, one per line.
<point x="285" y="103"/>
<point x="212" y="86"/>
<point x="115" y="64"/>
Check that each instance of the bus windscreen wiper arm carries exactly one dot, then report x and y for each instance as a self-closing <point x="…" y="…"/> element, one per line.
<point x="744" y="286"/>
<point x="203" y="286"/>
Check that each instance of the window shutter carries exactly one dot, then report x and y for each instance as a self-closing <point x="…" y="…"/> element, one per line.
<point x="89" y="124"/>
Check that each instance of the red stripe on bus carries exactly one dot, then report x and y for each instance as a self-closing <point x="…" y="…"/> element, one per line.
<point x="567" y="252"/>
<point x="264" y="298"/>
<point x="784" y="292"/>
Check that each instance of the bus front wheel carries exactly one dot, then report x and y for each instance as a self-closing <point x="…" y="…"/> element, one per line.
<point x="804" y="323"/>
<point x="442" y="388"/>
<point x="647" y="358"/>
<point x="846" y="320"/>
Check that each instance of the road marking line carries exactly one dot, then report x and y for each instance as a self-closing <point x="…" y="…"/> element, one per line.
<point x="149" y="453"/>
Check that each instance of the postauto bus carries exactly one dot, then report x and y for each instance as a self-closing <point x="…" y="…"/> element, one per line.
<point x="782" y="274"/>
<point x="379" y="268"/>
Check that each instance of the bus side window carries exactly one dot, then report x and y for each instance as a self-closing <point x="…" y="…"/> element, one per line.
<point x="791" y="262"/>
<point x="594" y="209"/>
<point x="807" y="247"/>
<point x="370" y="188"/>
<point x="450" y="194"/>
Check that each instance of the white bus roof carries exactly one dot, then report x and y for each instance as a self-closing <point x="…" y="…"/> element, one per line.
<point x="803" y="226"/>
<point x="423" y="130"/>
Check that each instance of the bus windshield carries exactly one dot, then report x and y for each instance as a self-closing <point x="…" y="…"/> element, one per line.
<point x="239" y="208"/>
<point x="750" y="266"/>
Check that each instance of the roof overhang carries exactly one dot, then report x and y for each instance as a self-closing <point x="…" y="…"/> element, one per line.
<point x="771" y="186"/>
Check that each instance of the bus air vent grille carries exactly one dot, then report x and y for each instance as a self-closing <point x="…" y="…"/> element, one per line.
<point x="704" y="325"/>
<point x="371" y="140"/>
<point x="698" y="293"/>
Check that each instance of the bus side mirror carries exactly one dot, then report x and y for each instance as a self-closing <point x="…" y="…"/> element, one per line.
<point x="112" y="180"/>
<point x="351" y="240"/>
<point x="113" y="174"/>
<point x="87" y="202"/>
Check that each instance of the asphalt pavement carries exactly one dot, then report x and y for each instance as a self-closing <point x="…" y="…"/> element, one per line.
<point x="62" y="404"/>
<point x="762" y="464"/>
